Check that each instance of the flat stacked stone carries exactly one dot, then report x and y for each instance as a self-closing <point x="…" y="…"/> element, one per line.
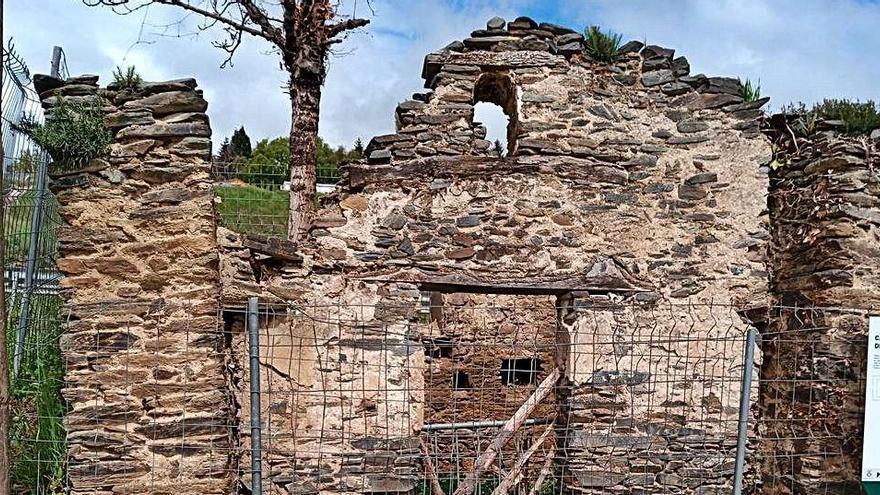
<point x="150" y="409"/>
<point x="825" y="220"/>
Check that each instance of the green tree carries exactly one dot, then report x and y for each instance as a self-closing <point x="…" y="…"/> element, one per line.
<point x="268" y="164"/>
<point x="241" y="143"/>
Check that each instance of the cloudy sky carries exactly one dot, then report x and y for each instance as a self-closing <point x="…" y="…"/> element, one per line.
<point x="801" y="50"/>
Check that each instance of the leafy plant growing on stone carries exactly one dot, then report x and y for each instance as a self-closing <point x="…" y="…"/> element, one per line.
<point x="73" y="134"/>
<point x="498" y="148"/>
<point x="129" y="79"/>
<point x="855" y="117"/>
<point x="604" y="47"/>
<point x="751" y="91"/>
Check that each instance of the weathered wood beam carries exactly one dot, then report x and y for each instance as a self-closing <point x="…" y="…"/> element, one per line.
<point x="485" y="460"/>
<point x="273" y="247"/>
<point x="430" y="472"/>
<point x="512" y="477"/>
<point x="545" y="470"/>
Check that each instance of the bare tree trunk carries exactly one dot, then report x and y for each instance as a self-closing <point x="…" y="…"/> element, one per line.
<point x="305" y="100"/>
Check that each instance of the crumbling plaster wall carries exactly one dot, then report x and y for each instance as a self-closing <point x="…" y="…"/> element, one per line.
<point x="149" y="406"/>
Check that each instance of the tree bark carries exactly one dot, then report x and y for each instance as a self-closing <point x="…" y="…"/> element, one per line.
<point x="305" y="101"/>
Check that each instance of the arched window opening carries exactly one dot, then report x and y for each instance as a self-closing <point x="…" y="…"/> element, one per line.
<point x="493" y="92"/>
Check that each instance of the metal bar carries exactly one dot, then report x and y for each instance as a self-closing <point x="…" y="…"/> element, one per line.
<point x="481" y="424"/>
<point x="33" y="242"/>
<point x="56" y="62"/>
<point x="744" y="402"/>
<point x="253" y="323"/>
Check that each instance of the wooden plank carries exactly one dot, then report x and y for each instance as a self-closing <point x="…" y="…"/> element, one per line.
<point x="430" y="472"/>
<point x="511" y="479"/>
<point x="485" y="460"/>
<point x="273" y="247"/>
<point x="545" y="470"/>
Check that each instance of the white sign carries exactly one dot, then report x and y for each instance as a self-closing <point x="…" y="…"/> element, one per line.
<point x="871" y="450"/>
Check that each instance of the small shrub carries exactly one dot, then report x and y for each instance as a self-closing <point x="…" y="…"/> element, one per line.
<point x="73" y="134"/>
<point x="601" y="46"/>
<point x="751" y="91"/>
<point x="857" y="117"/>
<point x="129" y="79"/>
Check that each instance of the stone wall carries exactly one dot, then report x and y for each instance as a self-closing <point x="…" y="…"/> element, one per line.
<point x="653" y="397"/>
<point x="484" y="354"/>
<point x="633" y="182"/>
<point x="149" y="407"/>
<point x="825" y="218"/>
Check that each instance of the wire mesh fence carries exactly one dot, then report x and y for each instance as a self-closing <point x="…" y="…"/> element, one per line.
<point x="456" y="393"/>
<point x="33" y="306"/>
<point x="254" y="196"/>
<point x="648" y="401"/>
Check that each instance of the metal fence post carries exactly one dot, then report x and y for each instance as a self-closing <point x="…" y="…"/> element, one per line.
<point x="27" y="290"/>
<point x="253" y="323"/>
<point x="55" y="70"/>
<point x="744" y="402"/>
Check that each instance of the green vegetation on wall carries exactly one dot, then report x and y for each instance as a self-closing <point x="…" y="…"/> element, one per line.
<point x="73" y="134"/>
<point x="604" y="47"/>
<point x="127" y="80"/>
<point x="854" y="117"/>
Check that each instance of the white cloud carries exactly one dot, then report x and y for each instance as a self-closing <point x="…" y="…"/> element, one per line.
<point x="800" y="49"/>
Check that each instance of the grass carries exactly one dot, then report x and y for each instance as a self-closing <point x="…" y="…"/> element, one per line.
<point x="37" y="437"/>
<point x="253" y="210"/>
<point x="604" y="47"/>
<point x="17" y="227"/>
<point x="751" y="91"/>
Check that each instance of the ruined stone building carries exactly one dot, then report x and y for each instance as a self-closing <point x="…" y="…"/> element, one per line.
<point x="625" y="241"/>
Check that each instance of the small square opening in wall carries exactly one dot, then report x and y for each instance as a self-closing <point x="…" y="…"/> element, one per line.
<point x="520" y="371"/>
<point x="438" y="348"/>
<point x="461" y="381"/>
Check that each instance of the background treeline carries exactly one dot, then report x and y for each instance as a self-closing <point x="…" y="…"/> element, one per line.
<point x="267" y="163"/>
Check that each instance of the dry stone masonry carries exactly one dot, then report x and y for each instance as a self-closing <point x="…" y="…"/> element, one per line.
<point x="825" y="217"/>
<point x="145" y="377"/>
<point x="622" y="240"/>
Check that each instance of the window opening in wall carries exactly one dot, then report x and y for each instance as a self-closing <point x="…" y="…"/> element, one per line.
<point x="493" y="118"/>
<point x="520" y="371"/>
<point x="461" y="381"/>
<point x="438" y="347"/>
<point x="492" y="92"/>
<point x="431" y="308"/>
